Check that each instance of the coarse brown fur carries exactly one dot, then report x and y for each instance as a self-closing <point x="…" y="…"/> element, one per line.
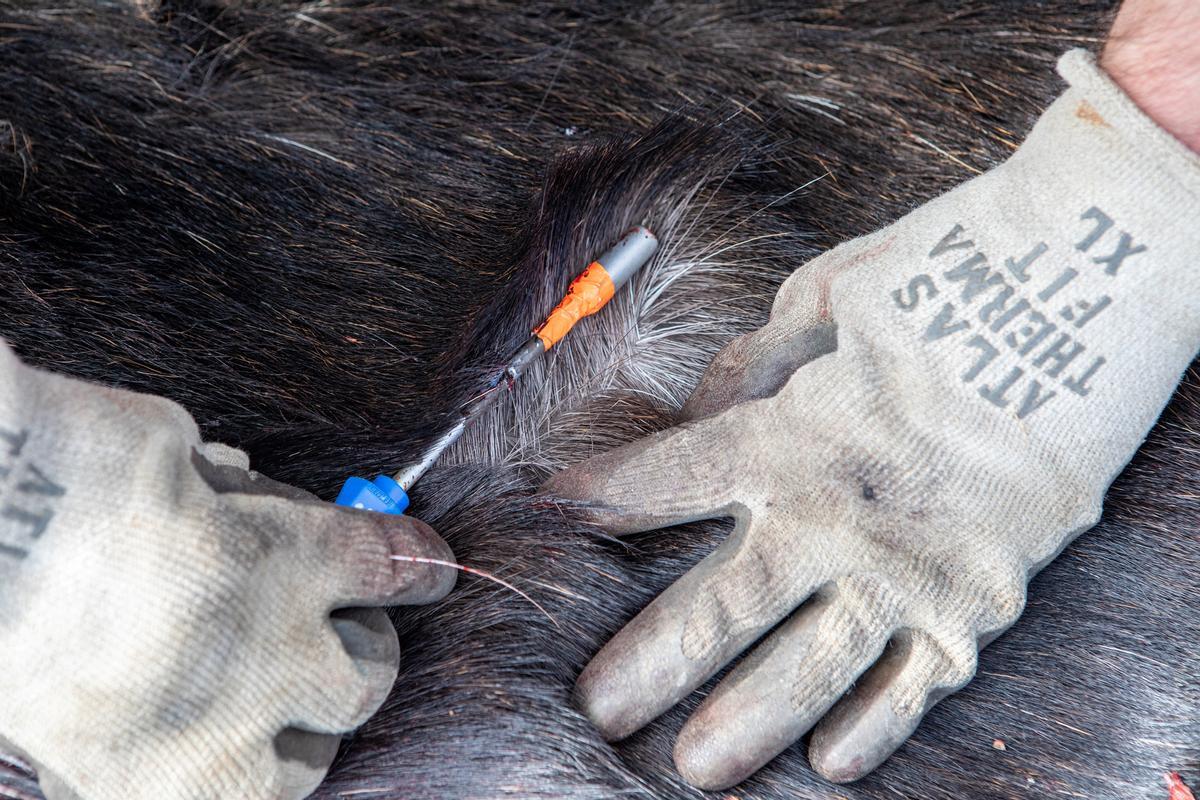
<point x="318" y="225"/>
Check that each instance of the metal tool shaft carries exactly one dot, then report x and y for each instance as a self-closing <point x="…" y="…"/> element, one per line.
<point x="618" y="265"/>
<point x="530" y="352"/>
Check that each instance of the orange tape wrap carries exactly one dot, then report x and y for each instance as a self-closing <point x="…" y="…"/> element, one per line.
<point x="587" y="294"/>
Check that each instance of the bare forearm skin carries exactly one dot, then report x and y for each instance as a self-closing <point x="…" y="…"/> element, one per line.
<point x="1153" y="53"/>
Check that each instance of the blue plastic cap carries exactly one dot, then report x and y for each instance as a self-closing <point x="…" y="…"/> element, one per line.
<point x="383" y="495"/>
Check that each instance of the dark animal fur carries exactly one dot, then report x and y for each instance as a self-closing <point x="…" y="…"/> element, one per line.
<point x="317" y="224"/>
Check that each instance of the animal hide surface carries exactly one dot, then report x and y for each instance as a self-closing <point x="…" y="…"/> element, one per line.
<point x="320" y="225"/>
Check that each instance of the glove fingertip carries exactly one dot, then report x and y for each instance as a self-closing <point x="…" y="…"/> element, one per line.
<point x="423" y="565"/>
<point x="665" y="479"/>
<point x="600" y="696"/>
<point x="707" y="762"/>
<point x="582" y="489"/>
<point x="858" y="735"/>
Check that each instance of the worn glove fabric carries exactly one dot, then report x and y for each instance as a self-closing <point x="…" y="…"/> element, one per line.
<point x="932" y="413"/>
<point x="172" y="625"/>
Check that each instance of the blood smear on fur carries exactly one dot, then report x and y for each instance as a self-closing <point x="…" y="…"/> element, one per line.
<point x="1177" y="788"/>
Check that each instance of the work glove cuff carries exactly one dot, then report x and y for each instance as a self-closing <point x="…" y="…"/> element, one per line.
<point x="1106" y="104"/>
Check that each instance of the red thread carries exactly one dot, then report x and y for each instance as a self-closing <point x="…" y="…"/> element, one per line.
<point x="481" y="574"/>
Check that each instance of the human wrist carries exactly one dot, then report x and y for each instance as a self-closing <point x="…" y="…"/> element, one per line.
<point x="1153" y="54"/>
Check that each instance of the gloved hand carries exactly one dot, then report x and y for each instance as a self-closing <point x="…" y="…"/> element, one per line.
<point x="171" y="625"/>
<point x="932" y="413"/>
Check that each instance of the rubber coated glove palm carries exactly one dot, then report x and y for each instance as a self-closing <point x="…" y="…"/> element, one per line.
<point x="970" y="381"/>
<point x="171" y="625"/>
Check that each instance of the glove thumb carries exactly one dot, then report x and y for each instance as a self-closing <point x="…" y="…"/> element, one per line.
<point x="802" y="328"/>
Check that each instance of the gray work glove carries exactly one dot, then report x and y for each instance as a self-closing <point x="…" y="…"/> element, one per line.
<point x="977" y="374"/>
<point x="171" y="625"/>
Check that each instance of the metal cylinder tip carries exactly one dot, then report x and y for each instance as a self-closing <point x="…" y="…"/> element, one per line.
<point x="627" y="256"/>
